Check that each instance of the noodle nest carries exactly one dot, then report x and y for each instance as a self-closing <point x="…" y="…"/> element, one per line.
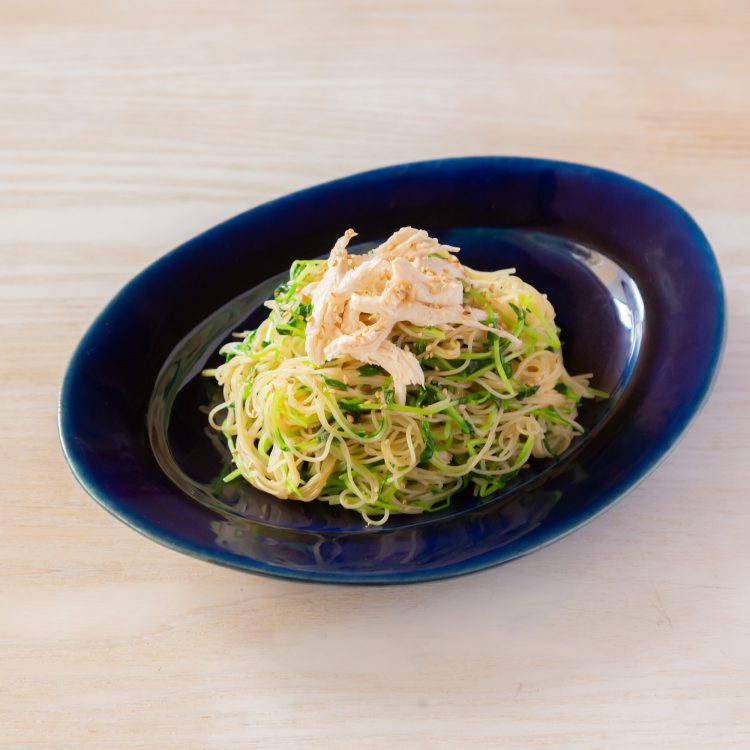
<point x="335" y="433"/>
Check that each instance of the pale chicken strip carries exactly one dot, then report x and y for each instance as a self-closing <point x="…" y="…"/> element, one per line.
<point x="403" y="366"/>
<point x="432" y="289"/>
<point x="358" y="344"/>
<point x="321" y="324"/>
<point x="372" y="274"/>
<point x="409" y="312"/>
<point x="414" y="243"/>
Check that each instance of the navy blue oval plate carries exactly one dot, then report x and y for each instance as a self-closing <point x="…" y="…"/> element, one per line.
<point x="639" y="301"/>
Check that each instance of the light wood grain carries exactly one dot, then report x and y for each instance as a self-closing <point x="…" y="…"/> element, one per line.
<point x="126" y="128"/>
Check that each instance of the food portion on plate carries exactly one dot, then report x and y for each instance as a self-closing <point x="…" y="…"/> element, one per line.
<point x="386" y="382"/>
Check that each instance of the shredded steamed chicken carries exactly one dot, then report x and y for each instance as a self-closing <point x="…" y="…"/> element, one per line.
<point x="361" y="298"/>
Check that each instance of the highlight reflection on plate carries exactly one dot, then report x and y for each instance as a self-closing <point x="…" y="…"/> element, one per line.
<point x="620" y="263"/>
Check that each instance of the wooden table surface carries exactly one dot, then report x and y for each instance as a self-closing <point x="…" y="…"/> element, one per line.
<point x="126" y="128"/>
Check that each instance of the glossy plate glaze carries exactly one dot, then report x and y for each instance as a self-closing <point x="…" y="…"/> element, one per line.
<point x="630" y="274"/>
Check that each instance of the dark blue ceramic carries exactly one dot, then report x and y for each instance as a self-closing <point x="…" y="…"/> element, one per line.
<point x="639" y="300"/>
